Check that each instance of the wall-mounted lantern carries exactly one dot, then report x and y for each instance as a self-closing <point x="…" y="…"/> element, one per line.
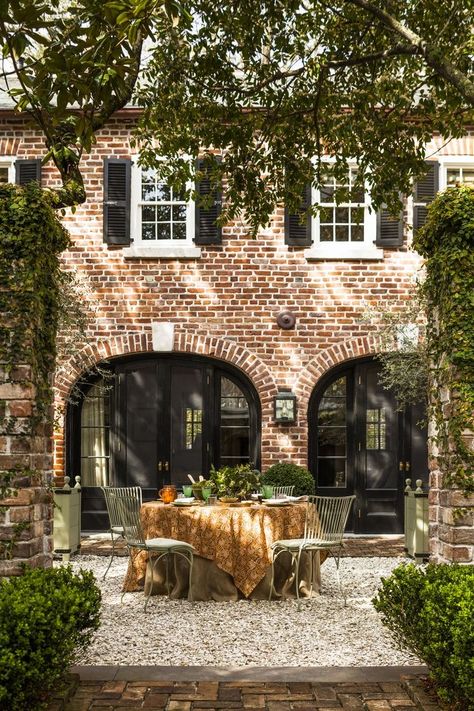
<point x="285" y="407"/>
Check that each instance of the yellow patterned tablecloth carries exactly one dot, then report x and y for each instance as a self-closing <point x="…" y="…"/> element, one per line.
<point x="238" y="540"/>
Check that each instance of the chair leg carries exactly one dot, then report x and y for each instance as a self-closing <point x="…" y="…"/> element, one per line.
<point x="297" y="579"/>
<point x="168" y="573"/>
<point x="153" y="564"/>
<point x="111" y="557"/>
<point x="341" y="589"/>
<point x="131" y="566"/>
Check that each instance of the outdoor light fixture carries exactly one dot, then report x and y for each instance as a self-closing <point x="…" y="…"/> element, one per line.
<point x="285" y="407"/>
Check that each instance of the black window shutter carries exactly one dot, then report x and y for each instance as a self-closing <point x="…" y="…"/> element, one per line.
<point x="389" y="229"/>
<point x="424" y="192"/>
<point x="117" y="200"/>
<point x="207" y="231"/>
<point x="26" y="171"/>
<point x="297" y="233"/>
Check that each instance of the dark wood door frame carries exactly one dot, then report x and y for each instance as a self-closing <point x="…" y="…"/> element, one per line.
<point x="410" y="437"/>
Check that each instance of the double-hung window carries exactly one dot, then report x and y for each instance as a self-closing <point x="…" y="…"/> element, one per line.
<point x="162" y="218"/>
<point x="7" y="170"/>
<point x="345" y="230"/>
<point x="455" y="171"/>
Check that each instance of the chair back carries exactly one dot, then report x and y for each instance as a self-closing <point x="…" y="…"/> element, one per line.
<point x="126" y="503"/>
<point x="286" y="490"/>
<point x="111" y="502"/>
<point x="326" y="518"/>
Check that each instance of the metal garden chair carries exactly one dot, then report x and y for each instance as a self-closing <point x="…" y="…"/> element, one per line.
<point x="285" y="490"/>
<point x="129" y="514"/>
<point x="115" y="526"/>
<point x="326" y="518"/>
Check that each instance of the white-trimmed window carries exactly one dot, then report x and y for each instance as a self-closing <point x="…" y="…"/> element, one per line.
<point x="456" y="170"/>
<point x="161" y="217"/>
<point x="7" y="170"/>
<point x="344" y="230"/>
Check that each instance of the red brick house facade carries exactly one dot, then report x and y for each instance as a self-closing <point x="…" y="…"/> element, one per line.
<point x="213" y="308"/>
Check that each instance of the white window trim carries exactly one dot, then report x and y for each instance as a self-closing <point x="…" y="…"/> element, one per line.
<point x="160" y="249"/>
<point x="9" y="162"/>
<point x="344" y="250"/>
<point x="445" y="162"/>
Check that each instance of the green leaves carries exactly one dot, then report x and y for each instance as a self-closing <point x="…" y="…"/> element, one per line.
<point x="430" y="613"/>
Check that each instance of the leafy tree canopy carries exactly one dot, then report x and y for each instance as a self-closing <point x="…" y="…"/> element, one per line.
<point x="70" y="64"/>
<point x="273" y="84"/>
<point x="277" y="84"/>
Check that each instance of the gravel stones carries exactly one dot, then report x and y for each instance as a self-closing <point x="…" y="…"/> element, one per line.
<point x="246" y="633"/>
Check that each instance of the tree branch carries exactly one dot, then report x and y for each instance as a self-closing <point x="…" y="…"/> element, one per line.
<point x="432" y="56"/>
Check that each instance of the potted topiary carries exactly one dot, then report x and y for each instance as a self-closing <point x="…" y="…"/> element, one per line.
<point x="289" y="474"/>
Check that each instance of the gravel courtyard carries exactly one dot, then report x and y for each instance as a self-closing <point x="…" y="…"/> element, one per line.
<point x="239" y="634"/>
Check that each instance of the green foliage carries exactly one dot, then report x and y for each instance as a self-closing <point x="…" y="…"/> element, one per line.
<point x="289" y="474"/>
<point x="431" y="614"/>
<point x="447" y="243"/>
<point x="240" y="480"/>
<point x="31" y="278"/>
<point x="403" y="351"/>
<point x="47" y="620"/>
<point x="274" y="85"/>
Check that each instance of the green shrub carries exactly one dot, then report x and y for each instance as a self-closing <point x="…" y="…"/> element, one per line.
<point x="240" y="480"/>
<point x="289" y="474"/>
<point x="431" y="613"/>
<point x="47" y="619"/>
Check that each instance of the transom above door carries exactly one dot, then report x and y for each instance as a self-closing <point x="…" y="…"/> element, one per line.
<point x="361" y="444"/>
<point x="157" y="420"/>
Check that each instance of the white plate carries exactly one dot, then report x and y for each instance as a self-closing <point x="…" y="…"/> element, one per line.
<point x="276" y="502"/>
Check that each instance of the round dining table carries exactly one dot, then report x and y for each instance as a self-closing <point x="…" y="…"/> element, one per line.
<point x="232" y="547"/>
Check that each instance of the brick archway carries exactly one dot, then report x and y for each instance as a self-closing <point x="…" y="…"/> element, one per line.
<point x="186" y="340"/>
<point x="360" y="347"/>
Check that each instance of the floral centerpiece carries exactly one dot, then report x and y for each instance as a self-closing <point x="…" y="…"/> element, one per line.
<point x="198" y="486"/>
<point x="238" y="481"/>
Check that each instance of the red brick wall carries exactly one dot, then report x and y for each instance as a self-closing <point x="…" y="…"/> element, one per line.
<point x="225" y="303"/>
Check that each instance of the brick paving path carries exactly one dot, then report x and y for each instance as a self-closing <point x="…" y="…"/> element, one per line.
<point x="246" y="696"/>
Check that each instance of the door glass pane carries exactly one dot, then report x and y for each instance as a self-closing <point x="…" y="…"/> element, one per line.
<point x="332" y="435"/>
<point x="3" y="174"/>
<point x="95" y="430"/>
<point x="186" y="423"/>
<point x="234" y="425"/>
<point x="376" y="429"/>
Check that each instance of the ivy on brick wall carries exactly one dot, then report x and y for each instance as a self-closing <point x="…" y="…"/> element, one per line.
<point x="447" y="244"/>
<point x="31" y="278"/>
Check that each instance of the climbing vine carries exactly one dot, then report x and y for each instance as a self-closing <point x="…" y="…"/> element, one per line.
<point x="30" y="295"/>
<point x="447" y="244"/>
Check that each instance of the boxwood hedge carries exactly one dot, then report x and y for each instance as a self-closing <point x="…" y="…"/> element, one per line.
<point x="430" y="612"/>
<point x="47" y="619"/>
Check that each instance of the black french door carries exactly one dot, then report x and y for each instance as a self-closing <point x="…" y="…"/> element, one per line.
<point x="160" y="425"/>
<point x="157" y="420"/>
<point x="361" y="444"/>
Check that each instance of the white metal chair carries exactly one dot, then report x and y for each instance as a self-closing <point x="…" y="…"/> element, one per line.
<point x="129" y="514"/>
<point x="115" y="526"/>
<point x="326" y="518"/>
<point x="283" y="490"/>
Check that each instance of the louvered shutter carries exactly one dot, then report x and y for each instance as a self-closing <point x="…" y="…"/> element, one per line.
<point x="26" y="171"/>
<point x="297" y="233"/>
<point x="207" y="230"/>
<point x="389" y="229"/>
<point x="424" y="192"/>
<point x="117" y="200"/>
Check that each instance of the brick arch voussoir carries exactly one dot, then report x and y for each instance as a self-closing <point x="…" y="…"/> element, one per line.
<point x="334" y="355"/>
<point x="242" y="358"/>
<point x="185" y="342"/>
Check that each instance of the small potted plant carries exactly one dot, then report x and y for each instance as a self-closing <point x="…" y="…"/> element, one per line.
<point x="235" y="482"/>
<point x="198" y="487"/>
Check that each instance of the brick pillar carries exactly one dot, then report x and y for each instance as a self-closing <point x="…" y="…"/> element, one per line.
<point x="451" y="513"/>
<point x="30" y="453"/>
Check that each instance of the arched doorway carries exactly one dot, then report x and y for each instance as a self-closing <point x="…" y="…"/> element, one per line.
<point x="360" y="444"/>
<point x="150" y="420"/>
